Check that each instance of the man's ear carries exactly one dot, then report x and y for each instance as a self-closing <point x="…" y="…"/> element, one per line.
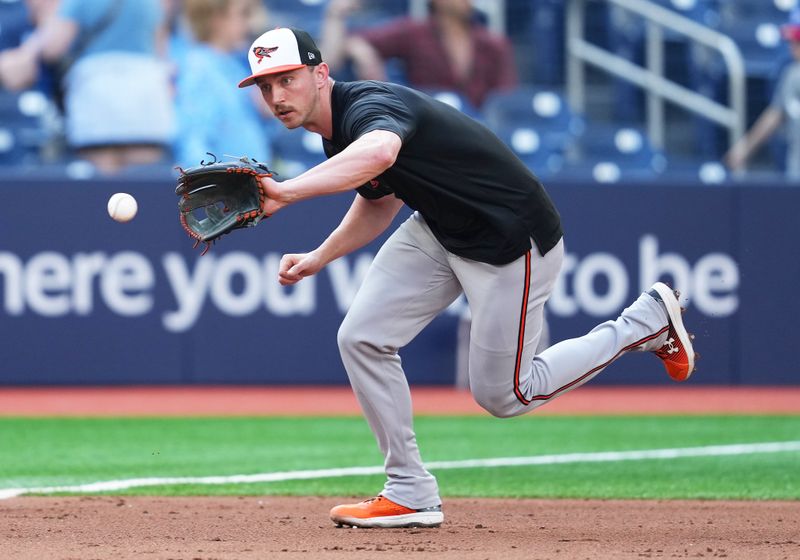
<point x="321" y="73"/>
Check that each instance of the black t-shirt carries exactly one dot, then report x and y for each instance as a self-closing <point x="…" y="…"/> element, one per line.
<point x="480" y="201"/>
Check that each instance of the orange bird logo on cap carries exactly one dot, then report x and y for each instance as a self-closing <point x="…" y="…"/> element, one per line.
<point x="262" y="52"/>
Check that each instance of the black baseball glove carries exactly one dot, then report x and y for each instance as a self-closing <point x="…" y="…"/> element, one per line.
<point x="218" y="197"/>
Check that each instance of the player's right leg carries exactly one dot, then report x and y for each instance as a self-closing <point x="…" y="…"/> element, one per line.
<point x="408" y="284"/>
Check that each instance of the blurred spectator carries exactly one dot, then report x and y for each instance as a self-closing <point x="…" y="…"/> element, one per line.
<point x="784" y="109"/>
<point x="450" y="50"/>
<point x="214" y="116"/>
<point x="116" y="91"/>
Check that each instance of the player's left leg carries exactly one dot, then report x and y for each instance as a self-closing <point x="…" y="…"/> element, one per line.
<point x="408" y="284"/>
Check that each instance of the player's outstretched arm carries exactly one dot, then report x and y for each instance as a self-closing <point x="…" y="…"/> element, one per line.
<point x="363" y="160"/>
<point x="365" y="220"/>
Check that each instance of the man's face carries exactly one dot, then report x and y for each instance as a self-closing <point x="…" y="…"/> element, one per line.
<point x="293" y="96"/>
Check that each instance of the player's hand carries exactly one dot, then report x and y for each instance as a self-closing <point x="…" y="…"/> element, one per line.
<point x="295" y="267"/>
<point x="275" y="196"/>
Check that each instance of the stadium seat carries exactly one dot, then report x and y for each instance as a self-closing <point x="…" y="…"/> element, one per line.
<point x="754" y="25"/>
<point x="23" y="133"/>
<point x="693" y="169"/>
<point x="539" y="154"/>
<point x="609" y="154"/>
<point x="544" y="110"/>
<point x="10" y="149"/>
<point x="628" y="145"/>
<point x="455" y="100"/>
<point x="760" y="42"/>
<point x="705" y="12"/>
<point x="756" y="10"/>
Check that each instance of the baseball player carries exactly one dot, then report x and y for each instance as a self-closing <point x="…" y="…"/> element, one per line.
<point x="483" y="225"/>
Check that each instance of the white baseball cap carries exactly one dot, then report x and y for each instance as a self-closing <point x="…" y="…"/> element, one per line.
<point x="281" y="50"/>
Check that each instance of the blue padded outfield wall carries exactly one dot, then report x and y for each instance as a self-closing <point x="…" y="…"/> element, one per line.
<point x="88" y="301"/>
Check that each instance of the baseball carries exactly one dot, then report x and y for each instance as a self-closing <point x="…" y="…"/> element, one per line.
<point x="122" y="207"/>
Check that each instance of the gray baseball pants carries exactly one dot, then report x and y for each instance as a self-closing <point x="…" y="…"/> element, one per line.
<point x="412" y="279"/>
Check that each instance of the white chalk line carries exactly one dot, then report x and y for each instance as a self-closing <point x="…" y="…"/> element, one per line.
<point x="560" y="459"/>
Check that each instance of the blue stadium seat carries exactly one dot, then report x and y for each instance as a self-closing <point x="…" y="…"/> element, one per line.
<point x="609" y="154"/>
<point x="10" y="148"/>
<point x="544" y="110"/>
<point x="23" y="132"/>
<point x="628" y="145"/>
<point x="755" y="27"/>
<point x="538" y="153"/>
<point x="760" y="42"/>
<point x="455" y="99"/>
<point x="296" y="151"/>
<point x="691" y="170"/>
<point x="756" y="10"/>
<point x="705" y="12"/>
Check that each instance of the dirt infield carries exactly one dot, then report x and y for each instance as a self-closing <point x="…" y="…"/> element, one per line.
<point x="301" y="401"/>
<point x="265" y="528"/>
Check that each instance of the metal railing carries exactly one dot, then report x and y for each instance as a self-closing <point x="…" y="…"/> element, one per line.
<point x="651" y="78"/>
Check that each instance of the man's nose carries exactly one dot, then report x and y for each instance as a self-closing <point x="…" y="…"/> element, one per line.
<point x="278" y="95"/>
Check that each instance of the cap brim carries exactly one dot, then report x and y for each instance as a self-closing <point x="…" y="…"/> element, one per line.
<point x="250" y="80"/>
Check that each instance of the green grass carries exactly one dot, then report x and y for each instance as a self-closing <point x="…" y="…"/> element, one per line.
<point x="59" y="451"/>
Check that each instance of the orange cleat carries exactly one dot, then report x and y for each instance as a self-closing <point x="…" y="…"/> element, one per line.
<point x="382" y="512"/>
<point x="677" y="352"/>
